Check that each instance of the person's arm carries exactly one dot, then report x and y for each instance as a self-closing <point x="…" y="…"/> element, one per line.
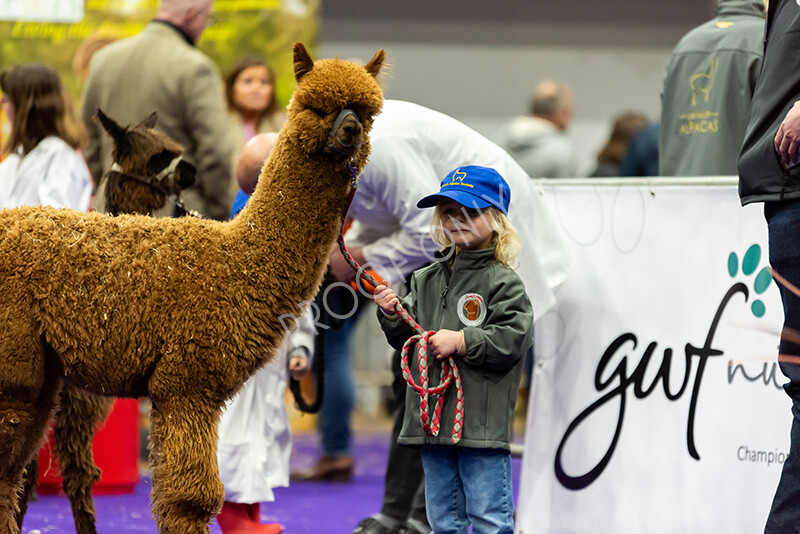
<point x="205" y="122"/>
<point x="299" y="363"/>
<point x="397" y="176"/>
<point x="506" y="333"/>
<point x="787" y="140"/>
<point x="396" y="329"/>
<point x="301" y="345"/>
<point x="93" y="153"/>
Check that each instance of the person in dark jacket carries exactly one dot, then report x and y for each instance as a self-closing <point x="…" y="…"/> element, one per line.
<point x="641" y="158"/>
<point x="768" y="173"/>
<point x="707" y="90"/>
<point x="483" y="319"/>
<point x="625" y="126"/>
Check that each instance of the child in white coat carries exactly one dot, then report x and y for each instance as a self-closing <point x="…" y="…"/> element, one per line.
<point x="254" y="437"/>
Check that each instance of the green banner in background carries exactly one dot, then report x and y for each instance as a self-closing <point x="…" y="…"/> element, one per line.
<point x="267" y="28"/>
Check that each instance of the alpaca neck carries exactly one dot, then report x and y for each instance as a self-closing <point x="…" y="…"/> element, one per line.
<point x="293" y="218"/>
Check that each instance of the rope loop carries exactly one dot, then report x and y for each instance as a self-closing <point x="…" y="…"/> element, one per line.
<point x="450" y="374"/>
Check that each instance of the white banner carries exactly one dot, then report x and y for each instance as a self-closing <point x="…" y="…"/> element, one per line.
<point x="656" y="404"/>
<point x="42" y="10"/>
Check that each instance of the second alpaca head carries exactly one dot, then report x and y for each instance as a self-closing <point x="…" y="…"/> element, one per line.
<point x="147" y="167"/>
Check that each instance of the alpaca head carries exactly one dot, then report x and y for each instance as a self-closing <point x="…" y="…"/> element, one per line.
<point x="334" y="105"/>
<point x="147" y="167"/>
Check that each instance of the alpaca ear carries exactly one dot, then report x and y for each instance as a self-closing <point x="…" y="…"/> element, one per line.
<point x="116" y="131"/>
<point x="302" y="61"/>
<point x="150" y="121"/>
<point x="374" y="65"/>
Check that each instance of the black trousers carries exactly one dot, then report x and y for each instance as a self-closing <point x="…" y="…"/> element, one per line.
<point x="404" y="488"/>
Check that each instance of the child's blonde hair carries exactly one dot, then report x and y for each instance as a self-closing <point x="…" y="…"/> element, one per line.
<point x="505" y="239"/>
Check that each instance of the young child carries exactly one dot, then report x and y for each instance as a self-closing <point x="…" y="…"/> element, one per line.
<point x="482" y="316"/>
<point x="255" y="440"/>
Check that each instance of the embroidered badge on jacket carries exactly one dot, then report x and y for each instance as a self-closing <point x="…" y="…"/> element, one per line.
<point x="471" y="309"/>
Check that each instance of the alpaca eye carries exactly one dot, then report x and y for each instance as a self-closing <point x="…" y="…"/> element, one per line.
<point x="318" y="111"/>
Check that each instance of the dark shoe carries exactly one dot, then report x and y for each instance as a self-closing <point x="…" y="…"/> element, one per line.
<point x="405" y="529"/>
<point x="330" y="468"/>
<point x="371" y="525"/>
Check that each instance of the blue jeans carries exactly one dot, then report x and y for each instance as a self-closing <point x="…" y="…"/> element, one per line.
<point x="464" y="485"/>
<point x="783" y="220"/>
<point x="339" y="396"/>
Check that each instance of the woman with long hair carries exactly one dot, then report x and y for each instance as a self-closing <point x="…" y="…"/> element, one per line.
<point x="253" y="106"/>
<point x="43" y="164"/>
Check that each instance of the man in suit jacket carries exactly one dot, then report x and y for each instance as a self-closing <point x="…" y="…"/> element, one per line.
<point x="160" y="70"/>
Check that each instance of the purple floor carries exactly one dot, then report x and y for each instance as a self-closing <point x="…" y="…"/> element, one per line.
<point x="308" y="508"/>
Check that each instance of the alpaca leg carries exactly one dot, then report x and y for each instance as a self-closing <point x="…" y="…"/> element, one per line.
<point x="187" y="492"/>
<point x="31" y="478"/>
<point x="28" y="393"/>
<point x="76" y="422"/>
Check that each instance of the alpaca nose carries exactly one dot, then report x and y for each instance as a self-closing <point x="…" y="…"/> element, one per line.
<point x="351" y="129"/>
<point x="345" y="134"/>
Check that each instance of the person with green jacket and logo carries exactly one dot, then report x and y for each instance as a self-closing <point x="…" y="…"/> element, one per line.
<point x="482" y="318"/>
<point x="709" y="82"/>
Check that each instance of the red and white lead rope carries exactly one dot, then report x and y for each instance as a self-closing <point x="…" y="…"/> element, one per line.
<point x="450" y="373"/>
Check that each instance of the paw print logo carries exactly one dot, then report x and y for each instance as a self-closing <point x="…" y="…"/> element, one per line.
<point x="762" y="280"/>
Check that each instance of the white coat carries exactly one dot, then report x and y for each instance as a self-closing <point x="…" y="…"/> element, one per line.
<point x="255" y="442"/>
<point x="52" y="174"/>
<point x="413" y="149"/>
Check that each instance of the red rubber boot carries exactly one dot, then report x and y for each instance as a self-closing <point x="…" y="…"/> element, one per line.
<point x="242" y="518"/>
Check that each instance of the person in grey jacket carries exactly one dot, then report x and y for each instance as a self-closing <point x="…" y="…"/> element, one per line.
<point x="483" y="319"/>
<point x="768" y="173"/>
<point x="538" y="141"/>
<point x="708" y="86"/>
<point x="161" y="70"/>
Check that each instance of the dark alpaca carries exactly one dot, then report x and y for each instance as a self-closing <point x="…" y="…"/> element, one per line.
<point x="182" y="311"/>
<point x="147" y="169"/>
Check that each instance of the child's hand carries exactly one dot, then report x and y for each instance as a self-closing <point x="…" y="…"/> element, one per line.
<point x="444" y="343"/>
<point x="298" y="366"/>
<point x="386" y="299"/>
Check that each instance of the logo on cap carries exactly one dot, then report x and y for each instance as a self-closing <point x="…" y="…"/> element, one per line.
<point x="472" y="186"/>
<point x="457" y="178"/>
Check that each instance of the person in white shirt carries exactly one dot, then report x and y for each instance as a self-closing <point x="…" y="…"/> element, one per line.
<point x="43" y="165"/>
<point x="413" y="148"/>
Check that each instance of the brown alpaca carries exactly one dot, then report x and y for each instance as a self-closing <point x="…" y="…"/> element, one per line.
<point x="180" y="310"/>
<point x="148" y="169"/>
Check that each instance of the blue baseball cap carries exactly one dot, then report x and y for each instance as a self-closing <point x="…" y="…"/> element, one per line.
<point x="472" y="186"/>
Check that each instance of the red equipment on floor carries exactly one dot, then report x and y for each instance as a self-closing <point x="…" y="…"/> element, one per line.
<point x="116" y="453"/>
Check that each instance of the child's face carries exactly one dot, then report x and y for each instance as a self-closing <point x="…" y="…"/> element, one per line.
<point x="467" y="228"/>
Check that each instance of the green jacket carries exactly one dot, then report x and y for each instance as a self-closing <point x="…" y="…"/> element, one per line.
<point x="708" y="86"/>
<point x="486" y="300"/>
